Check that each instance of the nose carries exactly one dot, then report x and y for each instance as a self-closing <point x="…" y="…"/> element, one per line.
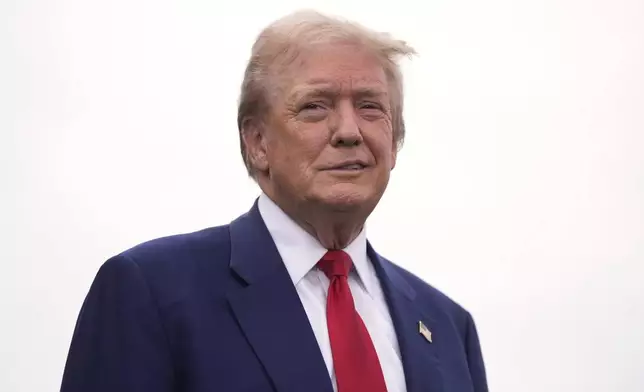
<point x="346" y="129"/>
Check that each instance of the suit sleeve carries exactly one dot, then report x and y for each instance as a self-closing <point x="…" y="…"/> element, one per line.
<point x="475" y="357"/>
<point x="119" y="344"/>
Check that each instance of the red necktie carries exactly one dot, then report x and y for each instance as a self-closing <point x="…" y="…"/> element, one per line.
<point x="355" y="361"/>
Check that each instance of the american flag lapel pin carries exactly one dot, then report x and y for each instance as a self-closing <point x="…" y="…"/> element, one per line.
<point x="423" y="330"/>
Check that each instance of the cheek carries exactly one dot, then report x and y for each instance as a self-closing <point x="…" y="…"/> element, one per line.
<point x="296" y="149"/>
<point x="309" y="142"/>
<point x="381" y="144"/>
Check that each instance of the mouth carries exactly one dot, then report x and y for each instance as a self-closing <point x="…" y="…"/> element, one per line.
<point x="348" y="167"/>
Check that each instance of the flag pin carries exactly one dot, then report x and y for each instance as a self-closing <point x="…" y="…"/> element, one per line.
<point x="427" y="334"/>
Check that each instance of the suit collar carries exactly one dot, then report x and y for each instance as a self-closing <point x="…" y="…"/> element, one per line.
<point x="389" y="275"/>
<point x="253" y="252"/>
<point x="298" y="249"/>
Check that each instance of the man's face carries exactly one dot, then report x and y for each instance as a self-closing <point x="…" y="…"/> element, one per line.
<point x="328" y="138"/>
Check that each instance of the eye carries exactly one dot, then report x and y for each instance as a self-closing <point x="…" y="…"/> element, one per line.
<point x="312" y="106"/>
<point x="313" y="111"/>
<point x="370" y="105"/>
<point x="371" y="110"/>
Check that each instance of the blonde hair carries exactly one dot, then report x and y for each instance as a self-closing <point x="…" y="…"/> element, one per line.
<point x="279" y="44"/>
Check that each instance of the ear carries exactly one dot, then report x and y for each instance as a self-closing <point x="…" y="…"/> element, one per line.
<point x="394" y="155"/>
<point x="254" y="136"/>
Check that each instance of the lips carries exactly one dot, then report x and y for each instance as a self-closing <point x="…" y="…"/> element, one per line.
<point x="349" y="166"/>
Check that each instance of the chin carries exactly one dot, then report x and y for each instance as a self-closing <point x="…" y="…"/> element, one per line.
<point x="347" y="197"/>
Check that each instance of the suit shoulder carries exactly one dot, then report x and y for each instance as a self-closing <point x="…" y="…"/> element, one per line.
<point x="172" y="267"/>
<point x="176" y="247"/>
<point x="182" y="257"/>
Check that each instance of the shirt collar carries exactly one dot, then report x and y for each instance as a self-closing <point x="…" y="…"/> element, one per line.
<point x="300" y="251"/>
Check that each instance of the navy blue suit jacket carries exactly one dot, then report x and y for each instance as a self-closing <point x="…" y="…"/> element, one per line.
<point x="216" y="310"/>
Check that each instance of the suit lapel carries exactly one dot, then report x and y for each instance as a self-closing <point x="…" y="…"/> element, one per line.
<point x="421" y="359"/>
<point x="270" y="313"/>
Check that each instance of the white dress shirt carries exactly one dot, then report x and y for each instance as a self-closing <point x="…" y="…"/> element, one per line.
<point x="301" y="252"/>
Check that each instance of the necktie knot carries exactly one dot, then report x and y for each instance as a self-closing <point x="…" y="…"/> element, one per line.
<point x="335" y="263"/>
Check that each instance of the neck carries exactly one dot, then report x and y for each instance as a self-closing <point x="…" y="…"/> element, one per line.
<point x="333" y="228"/>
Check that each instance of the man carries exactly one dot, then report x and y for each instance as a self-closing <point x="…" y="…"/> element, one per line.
<point x="289" y="297"/>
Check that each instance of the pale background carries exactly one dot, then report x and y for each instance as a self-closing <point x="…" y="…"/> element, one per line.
<point x="520" y="191"/>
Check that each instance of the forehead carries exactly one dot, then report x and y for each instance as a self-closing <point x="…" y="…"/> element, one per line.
<point x="335" y="69"/>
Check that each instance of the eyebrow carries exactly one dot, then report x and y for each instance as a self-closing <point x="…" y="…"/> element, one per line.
<point x="327" y="89"/>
